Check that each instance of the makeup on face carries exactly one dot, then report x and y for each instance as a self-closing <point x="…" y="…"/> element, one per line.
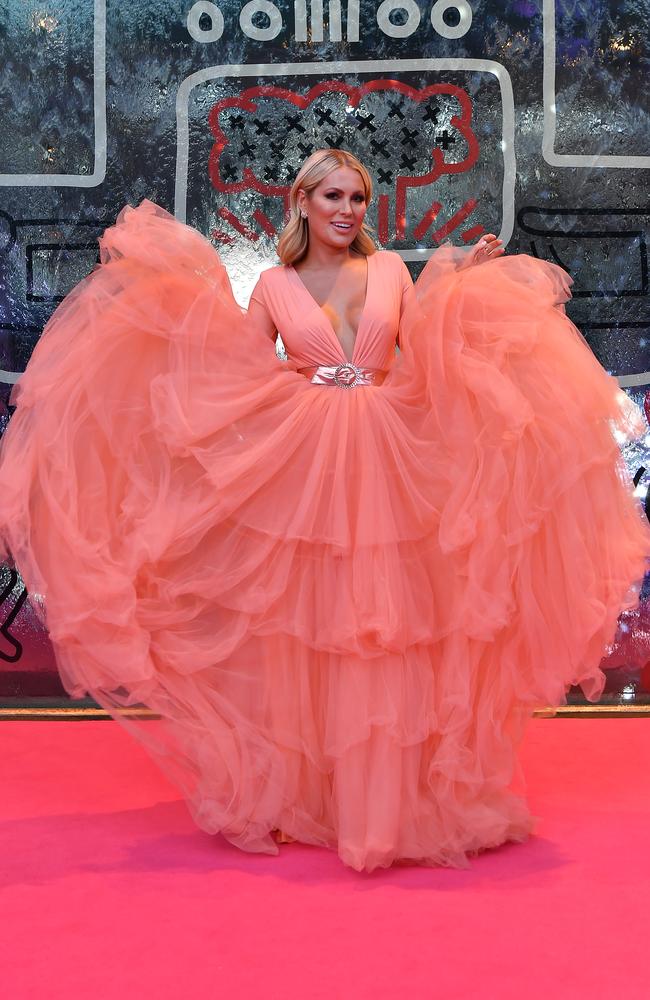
<point x="336" y="207"/>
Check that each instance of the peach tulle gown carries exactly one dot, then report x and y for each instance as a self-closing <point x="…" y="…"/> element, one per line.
<point x="341" y="604"/>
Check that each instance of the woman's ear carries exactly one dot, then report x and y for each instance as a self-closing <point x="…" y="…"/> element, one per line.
<point x="302" y="200"/>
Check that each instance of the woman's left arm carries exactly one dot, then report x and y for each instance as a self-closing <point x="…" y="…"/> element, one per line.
<point x="407" y="295"/>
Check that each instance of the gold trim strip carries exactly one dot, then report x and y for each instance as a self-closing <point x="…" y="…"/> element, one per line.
<point x="73" y="712"/>
<point x="584" y="711"/>
<point x="35" y="713"/>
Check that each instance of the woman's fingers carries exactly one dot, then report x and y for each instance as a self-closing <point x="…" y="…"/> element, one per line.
<point x="493" y="243"/>
<point x="488" y="247"/>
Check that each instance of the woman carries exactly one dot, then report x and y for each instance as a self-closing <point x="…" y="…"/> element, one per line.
<point x="342" y="582"/>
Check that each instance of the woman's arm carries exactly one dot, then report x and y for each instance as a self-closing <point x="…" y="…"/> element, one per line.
<point x="258" y="314"/>
<point x="407" y="295"/>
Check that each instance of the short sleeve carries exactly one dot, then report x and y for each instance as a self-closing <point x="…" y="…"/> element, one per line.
<point x="258" y="294"/>
<point x="407" y="290"/>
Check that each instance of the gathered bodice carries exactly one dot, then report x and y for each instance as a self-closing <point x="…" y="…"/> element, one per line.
<point x="307" y="333"/>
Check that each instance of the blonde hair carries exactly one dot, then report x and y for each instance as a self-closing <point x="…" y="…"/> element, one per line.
<point x="294" y="239"/>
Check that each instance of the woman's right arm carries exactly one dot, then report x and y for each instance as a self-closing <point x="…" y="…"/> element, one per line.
<point x="258" y="313"/>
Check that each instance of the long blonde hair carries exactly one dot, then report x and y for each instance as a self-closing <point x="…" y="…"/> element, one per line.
<point x="294" y="239"/>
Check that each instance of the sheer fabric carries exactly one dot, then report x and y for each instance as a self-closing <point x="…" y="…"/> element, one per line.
<point x="341" y="605"/>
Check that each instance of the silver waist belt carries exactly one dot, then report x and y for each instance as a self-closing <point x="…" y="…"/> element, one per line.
<point x="345" y="376"/>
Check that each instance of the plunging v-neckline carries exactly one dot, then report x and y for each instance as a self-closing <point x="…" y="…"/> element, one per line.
<point x="326" y="318"/>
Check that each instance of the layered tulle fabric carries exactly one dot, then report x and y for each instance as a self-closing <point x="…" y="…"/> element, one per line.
<point x="340" y="605"/>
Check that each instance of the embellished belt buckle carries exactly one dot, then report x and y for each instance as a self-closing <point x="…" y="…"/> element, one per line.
<point x="347" y="375"/>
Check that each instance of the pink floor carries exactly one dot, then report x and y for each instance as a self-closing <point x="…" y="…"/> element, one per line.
<point x="109" y="891"/>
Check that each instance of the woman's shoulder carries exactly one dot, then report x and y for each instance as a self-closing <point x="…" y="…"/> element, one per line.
<point x="393" y="266"/>
<point x="386" y="261"/>
<point x="390" y="258"/>
<point x="268" y="279"/>
<point x="270" y="275"/>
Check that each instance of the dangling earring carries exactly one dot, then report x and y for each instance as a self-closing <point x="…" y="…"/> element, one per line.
<point x="303" y="215"/>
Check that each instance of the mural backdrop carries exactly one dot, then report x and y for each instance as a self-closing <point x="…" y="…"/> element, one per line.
<point x="528" y="118"/>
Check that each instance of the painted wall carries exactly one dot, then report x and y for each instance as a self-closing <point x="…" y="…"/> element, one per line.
<point x="525" y="118"/>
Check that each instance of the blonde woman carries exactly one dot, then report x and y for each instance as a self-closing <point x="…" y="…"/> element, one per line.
<point x="341" y="582"/>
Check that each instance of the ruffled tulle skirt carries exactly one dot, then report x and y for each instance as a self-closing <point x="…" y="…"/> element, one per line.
<point x="341" y="606"/>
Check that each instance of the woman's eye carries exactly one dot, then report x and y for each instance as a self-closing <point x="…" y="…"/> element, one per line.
<point x="334" y="194"/>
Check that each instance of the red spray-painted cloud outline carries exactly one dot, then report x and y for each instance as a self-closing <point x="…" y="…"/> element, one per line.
<point x="246" y="101"/>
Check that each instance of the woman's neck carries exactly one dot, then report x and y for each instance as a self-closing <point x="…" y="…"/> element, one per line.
<point x="321" y="257"/>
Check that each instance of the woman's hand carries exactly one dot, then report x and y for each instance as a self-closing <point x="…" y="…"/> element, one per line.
<point x="489" y="247"/>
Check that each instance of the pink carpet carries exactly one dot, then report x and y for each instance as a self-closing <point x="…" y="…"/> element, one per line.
<point x="108" y="890"/>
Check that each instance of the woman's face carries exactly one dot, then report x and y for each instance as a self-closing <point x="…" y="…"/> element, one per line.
<point x="335" y="208"/>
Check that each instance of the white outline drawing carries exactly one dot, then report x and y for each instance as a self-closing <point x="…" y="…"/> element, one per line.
<point x="550" y="114"/>
<point x="193" y="19"/>
<point x="357" y="67"/>
<point x="643" y="378"/>
<point x="440" y="26"/>
<point x="99" y="108"/>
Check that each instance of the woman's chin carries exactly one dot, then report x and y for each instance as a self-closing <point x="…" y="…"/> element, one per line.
<point x="338" y="239"/>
